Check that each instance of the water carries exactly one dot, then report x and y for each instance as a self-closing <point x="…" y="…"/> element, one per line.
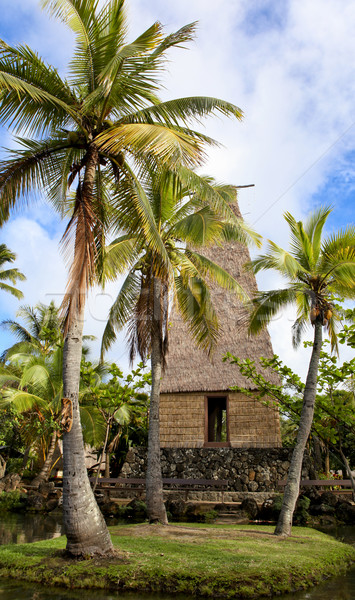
<point x="18" y="528"/>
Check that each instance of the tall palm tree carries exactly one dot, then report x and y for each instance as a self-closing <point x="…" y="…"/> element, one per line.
<point x="89" y="131"/>
<point x="315" y="269"/>
<point x="185" y="221"/>
<point x="13" y="275"/>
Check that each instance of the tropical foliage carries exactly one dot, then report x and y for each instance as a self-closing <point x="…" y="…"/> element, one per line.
<point x="32" y="386"/>
<point x="122" y="406"/>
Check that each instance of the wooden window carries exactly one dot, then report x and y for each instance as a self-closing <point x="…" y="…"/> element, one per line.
<point x="216" y="421"/>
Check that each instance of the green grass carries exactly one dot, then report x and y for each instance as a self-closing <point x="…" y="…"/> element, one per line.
<point x="207" y="560"/>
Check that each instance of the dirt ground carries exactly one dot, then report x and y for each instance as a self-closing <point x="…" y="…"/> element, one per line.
<point x="176" y="532"/>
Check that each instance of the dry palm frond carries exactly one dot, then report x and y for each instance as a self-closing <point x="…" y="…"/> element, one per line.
<point x="81" y="229"/>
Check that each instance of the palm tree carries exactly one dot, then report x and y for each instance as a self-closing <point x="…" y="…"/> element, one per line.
<point x="316" y="269"/>
<point x="39" y="332"/>
<point x="32" y="385"/>
<point x="13" y="275"/>
<point x="88" y="131"/>
<point x="184" y="220"/>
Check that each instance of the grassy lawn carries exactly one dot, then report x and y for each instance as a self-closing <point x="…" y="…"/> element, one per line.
<point x="209" y="560"/>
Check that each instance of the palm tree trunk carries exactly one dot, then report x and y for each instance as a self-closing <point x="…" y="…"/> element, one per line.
<point x="107" y="465"/>
<point x="154" y="484"/>
<point x="101" y="457"/>
<point x="327" y="463"/>
<point x="284" y="524"/>
<point x="43" y="475"/>
<point x="348" y="470"/>
<point x="2" y="467"/>
<point x="84" y="525"/>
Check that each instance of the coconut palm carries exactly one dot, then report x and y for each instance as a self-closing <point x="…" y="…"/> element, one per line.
<point x="315" y="269"/>
<point x="38" y="333"/>
<point x="185" y="221"/>
<point x="89" y="131"/>
<point x="13" y="275"/>
<point x="32" y="385"/>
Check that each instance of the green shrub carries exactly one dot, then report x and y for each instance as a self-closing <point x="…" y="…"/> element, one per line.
<point x="301" y="515"/>
<point x="12" y="500"/>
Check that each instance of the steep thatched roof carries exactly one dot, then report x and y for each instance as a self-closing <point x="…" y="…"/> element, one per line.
<point x="188" y="369"/>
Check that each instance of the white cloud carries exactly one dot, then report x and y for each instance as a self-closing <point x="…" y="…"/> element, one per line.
<point x="290" y="69"/>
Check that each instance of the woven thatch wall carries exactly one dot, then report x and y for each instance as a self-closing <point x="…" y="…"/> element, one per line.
<point x="189" y="369"/>
<point x="251" y="424"/>
<point x="182" y="420"/>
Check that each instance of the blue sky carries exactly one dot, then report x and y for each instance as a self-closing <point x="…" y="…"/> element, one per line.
<point x="287" y="63"/>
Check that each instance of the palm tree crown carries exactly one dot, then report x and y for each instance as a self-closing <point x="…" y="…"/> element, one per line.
<point x="86" y="130"/>
<point x="316" y="269"/>
<point x="186" y="212"/>
<point x="40" y="332"/>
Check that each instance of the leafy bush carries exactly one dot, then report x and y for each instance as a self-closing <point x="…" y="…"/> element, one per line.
<point x="12" y="500"/>
<point x="302" y="515"/>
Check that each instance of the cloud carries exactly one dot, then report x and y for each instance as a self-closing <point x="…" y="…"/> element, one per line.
<point x="286" y="64"/>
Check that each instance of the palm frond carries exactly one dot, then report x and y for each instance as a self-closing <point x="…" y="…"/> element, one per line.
<point x="93" y="424"/>
<point x="120" y="312"/>
<point x="146" y="42"/>
<point x="21" y="400"/>
<point x="314" y="228"/>
<point x="33" y="96"/>
<point x="119" y="254"/>
<point x="11" y="290"/>
<point x="27" y="169"/>
<point x="183" y="110"/>
<point x="200" y="228"/>
<point x="266" y="305"/>
<point x="197" y="311"/>
<point x="184" y="34"/>
<point x="278" y="259"/>
<point x="207" y="267"/>
<point x="169" y="145"/>
<point x="79" y="15"/>
<point x="136" y="215"/>
<point x="298" y="329"/>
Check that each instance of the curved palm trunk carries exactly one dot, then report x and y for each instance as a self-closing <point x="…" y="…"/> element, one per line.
<point x="284" y="524"/>
<point x="84" y="524"/>
<point x="154" y="483"/>
<point x="348" y="471"/>
<point x="44" y="473"/>
<point x="101" y="458"/>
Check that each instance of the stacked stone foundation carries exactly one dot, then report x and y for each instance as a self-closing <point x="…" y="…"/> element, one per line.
<point x="248" y="471"/>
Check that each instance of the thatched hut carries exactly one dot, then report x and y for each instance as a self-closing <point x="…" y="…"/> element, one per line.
<point x="198" y="408"/>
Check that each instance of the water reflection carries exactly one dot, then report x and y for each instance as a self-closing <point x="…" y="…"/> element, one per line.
<point x="10" y="590"/>
<point x="25" y="528"/>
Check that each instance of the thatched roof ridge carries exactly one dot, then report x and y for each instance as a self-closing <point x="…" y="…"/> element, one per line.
<point x="188" y="369"/>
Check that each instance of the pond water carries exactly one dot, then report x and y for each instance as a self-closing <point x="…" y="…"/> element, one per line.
<point x="23" y="528"/>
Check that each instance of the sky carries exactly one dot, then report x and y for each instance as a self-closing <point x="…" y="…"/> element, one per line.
<point x="288" y="64"/>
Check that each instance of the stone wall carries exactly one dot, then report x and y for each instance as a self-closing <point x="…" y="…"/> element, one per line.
<point x="247" y="470"/>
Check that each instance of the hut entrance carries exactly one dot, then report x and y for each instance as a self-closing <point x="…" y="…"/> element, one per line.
<point x="216" y="417"/>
